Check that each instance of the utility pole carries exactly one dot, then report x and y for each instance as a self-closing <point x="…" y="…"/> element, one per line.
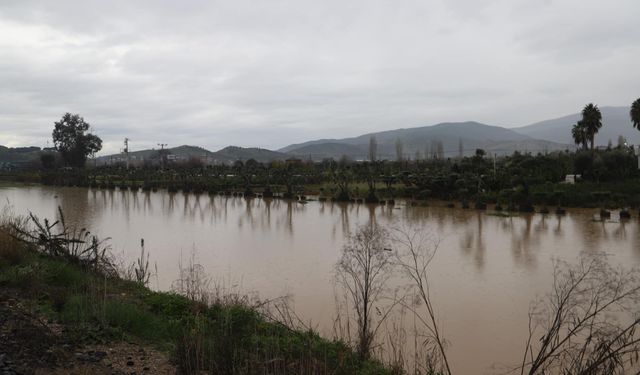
<point x="126" y="151"/>
<point x="162" y="156"/>
<point x="494" y="163"/>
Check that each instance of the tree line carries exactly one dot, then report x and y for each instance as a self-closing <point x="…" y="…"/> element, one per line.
<point x="74" y="142"/>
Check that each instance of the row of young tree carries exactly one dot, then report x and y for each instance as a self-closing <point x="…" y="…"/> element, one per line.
<point x="512" y="180"/>
<point x="434" y="150"/>
<point x="508" y="179"/>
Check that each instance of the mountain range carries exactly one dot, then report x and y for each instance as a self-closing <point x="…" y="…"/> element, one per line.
<point x="227" y="155"/>
<point x="424" y="140"/>
<point x="448" y="139"/>
<point x="544" y="136"/>
<point x="615" y="122"/>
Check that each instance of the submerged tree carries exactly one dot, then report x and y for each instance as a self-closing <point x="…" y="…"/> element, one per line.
<point x="71" y="139"/>
<point x="342" y="177"/>
<point x="371" y="175"/>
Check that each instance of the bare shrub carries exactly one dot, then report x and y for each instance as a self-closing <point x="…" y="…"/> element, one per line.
<point x="396" y="339"/>
<point x="416" y="248"/>
<point x="281" y="310"/>
<point x="363" y="271"/>
<point x="193" y="281"/>
<point x="588" y="324"/>
<point x="228" y="292"/>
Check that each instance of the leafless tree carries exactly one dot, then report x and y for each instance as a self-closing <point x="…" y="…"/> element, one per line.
<point x="373" y="148"/>
<point x="434" y="149"/>
<point x="440" y="150"/>
<point x="587" y="324"/>
<point x="622" y="141"/>
<point x="416" y="249"/>
<point x="399" y="150"/>
<point x="363" y="271"/>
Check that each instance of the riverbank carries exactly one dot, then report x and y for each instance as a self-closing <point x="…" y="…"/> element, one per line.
<point x="66" y="312"/>
<point x="536" y="195"/>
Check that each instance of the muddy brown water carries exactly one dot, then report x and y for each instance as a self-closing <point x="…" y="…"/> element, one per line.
<point x="487" y="271"/>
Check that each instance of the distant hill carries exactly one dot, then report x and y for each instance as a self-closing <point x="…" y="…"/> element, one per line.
<point x="183" y="153"/>
<point x="233" y="153"/>
<point x="190" y="151"/>
<point x="473" y="135"/>
<point x="20" y="156"/>
<point x="615" y="122"/>
<point x="319" y="151"/>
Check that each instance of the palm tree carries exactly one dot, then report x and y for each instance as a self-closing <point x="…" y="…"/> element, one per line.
<point x="635" y="114"/>
<point x="592" y="121"/>
<point x="579" y="133"/>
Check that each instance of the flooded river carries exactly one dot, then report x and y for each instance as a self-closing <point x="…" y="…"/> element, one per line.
<point x="486" y="272"/>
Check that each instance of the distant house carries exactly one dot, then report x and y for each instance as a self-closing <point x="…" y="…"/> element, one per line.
<point x="16" y="165"/>
<point x="571" y="178"/>
<point x="5" y="166"/>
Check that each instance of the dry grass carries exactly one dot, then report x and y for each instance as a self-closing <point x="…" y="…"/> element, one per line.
<point x="12" y="250"/>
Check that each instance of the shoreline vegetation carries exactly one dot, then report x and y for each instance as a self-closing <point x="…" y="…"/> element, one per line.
<point x="67" y="277"/>
<point x="603" y="179"/>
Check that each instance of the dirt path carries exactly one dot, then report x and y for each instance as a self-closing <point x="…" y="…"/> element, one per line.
<point x="31" y="345"/>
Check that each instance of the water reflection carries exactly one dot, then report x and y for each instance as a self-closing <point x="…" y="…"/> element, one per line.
<point x="477" y="231"/>
<point x="472" y="242"/>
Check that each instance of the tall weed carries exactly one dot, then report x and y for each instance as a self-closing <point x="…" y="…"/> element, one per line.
<point x="58" y="240"/>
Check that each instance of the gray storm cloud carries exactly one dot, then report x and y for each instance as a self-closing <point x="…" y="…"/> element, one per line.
<point x="270" y="73"/>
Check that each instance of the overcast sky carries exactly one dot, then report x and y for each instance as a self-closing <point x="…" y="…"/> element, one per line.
<point x="270" y="73"/>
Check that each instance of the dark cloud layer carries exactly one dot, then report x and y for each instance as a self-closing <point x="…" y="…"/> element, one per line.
<point x="270" y="73"/>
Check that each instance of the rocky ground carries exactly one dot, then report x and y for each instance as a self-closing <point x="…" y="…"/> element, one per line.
<point x="30" y="344"/>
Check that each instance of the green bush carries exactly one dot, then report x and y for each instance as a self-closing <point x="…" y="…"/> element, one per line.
<point x="170" y="305"/>
<point x="77" y="309"/>
<point x="135" y="320"/>
<point x="62" y="274"/>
